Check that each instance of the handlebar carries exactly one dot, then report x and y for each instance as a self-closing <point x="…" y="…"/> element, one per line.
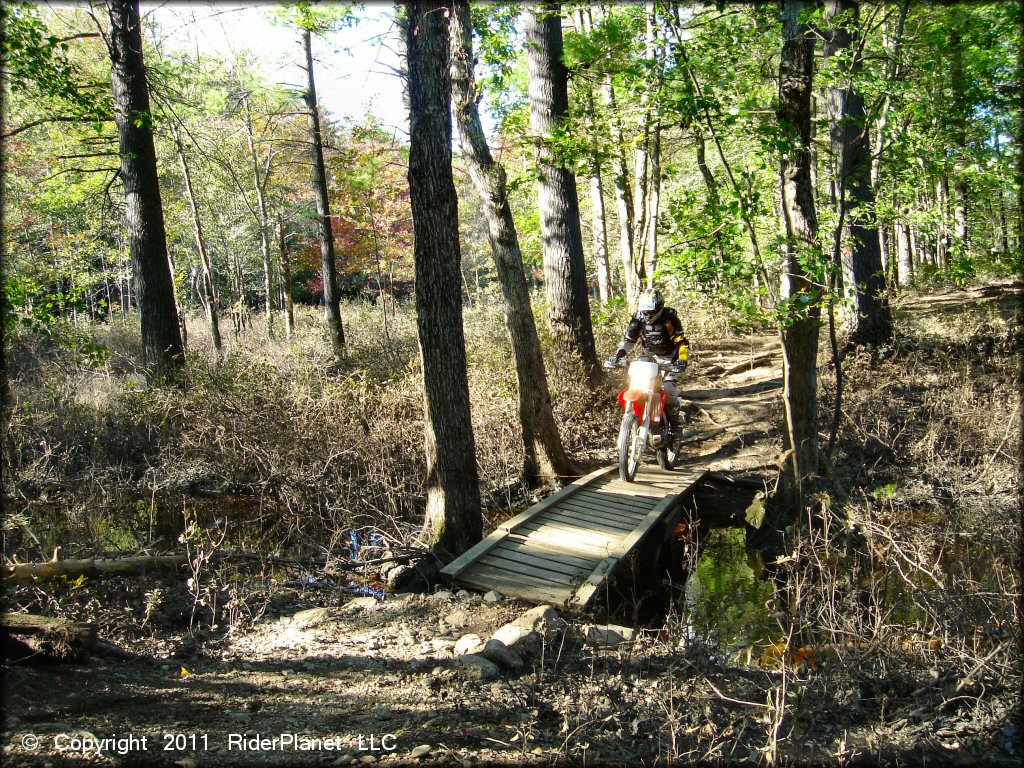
<point x="622" y="362"/>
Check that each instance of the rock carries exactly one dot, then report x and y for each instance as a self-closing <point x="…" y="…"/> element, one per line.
<point x="524" y="642"/>
<point x="367" y="759"/>
<point x="493" y="597"/>
<point x="468" y="644"/>
<point x="383" y="713"/>
<point x="543" y="619"/>
<point x="421" y="751"/>
<point x="312" y="617"/>
<point x="464" y="594"/>
<point x="367" y="603"/>
<point x="502" y="655"/>
<point x="609" y="636"/>
<point x="457" y="619"/>
<point x="473" y="666"/>
<point x="440" y="595"/>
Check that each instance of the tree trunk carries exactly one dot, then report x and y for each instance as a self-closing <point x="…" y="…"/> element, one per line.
<point x="714" y="199"/>
<point x="623" y="198"/>
<point x="904" y="264"/>
<point x="208" y="292"/>
<point x="286" y="279"/>
<point x="871" y="320"/>
<point x="542" y="445"/>
<point x="162" y="348"/>
<point x="893" y="43"/>
<point x="565" y="274"/>
<point x="800" y="224"/>
<point x="332" y="296"/>
<point x="642" y="182"/>
<point x="596" y="197"/>
<point x="653" y="203"/>
<point x="453" y="520"/>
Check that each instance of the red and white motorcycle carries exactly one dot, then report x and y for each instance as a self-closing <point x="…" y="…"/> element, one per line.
<point x="644" y="418"/>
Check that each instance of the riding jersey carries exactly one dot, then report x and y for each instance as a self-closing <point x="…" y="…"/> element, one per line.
<point x="660" y="336"/>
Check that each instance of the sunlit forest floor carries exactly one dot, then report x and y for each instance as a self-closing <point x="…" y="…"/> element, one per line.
<point x="891" y="635"/>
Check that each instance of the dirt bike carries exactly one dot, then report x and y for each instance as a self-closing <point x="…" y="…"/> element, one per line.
<point x="644" y="418"/>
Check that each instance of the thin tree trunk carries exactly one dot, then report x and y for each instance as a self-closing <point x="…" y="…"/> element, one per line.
<point x="905" y="264"/>
<point x="714" y="199"/>
<point x="596" y="197"/>
<point x="653" y="203"/>
<point x="542" y="445"/>
<point x="623" y="198"/>
<point x="286" y="279"/>
<point x="641" y="170"/>
<point x="162" y="348"/>
<point x="209" y="294"/>
<point x="332" y="296"/>
<point x="564" y="267"/>
<point x="800" y="224"/>
<point x="259" y="182"/>
<point x="453" y="520"/>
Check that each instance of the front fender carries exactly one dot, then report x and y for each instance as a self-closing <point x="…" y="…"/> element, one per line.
<point x="636" y="398"/>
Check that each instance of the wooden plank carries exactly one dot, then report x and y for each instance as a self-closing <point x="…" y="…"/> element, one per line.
<point x="624" y="504"/>
<point x="491" y="573"/>
<point x="455" y="567"/>
<point x="515" y="543"/>
<point x="585" y="521"/>
<point x="548" y="562"/>
<point x="513" y="589"/>
<point x="609" y="513"/>
<point x="600" y="497"/>
<point x="594" y="582"/>
<point x="591" y="549"/>
<point x="567" y="534"/>
<point x="496" y="559"/>
<point x="554" y="498"/>
<point x="494" y="575"/>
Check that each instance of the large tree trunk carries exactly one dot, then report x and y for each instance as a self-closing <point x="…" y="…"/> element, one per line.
<point x="332" y="297"/>
<point x="162" y="349"/>
<point x="565" y="273"/>
<point x="960" y="116"/>
<point x="542" y="445"/>
<point x="800" y="224"/>
<point x="623" y="198"/>
<point x="208" y="292"/>
<point x="904" y="257"/>
<point x="871" y="320"/>
<point x="453" y="519"/>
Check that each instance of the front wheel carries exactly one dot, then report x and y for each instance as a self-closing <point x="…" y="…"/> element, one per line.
<point x="630" y="447"/>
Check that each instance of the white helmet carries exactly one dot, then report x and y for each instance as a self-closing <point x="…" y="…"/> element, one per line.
<point x="650" y="304"/>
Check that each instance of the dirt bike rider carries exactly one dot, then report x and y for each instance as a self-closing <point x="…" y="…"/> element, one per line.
<point x="661" y="331"/>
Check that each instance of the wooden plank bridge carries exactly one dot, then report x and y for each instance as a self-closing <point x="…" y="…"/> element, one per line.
<point x="562" y="550"/>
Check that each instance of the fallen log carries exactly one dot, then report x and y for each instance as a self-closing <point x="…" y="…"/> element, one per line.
<point x="72" y="569"/>
<point x="751" y="363"/>
<point x="46" y="639"/>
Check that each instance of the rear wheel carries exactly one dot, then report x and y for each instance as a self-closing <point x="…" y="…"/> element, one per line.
<point x="630" y="448"/>
<point x="669" y="455"/>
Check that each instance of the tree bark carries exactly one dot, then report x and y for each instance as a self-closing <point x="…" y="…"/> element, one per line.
<point x="332" y="296"/>
<point x="162" y="348"/>
<point x="208" y="293"/>
<point x="800" y="225"/>
<point x="565" y="274"/>
<point x="542" y="445"/>
<point x="453" y="518"/>
<point x="904" y="261"/>
<point x="871" y="319"/>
